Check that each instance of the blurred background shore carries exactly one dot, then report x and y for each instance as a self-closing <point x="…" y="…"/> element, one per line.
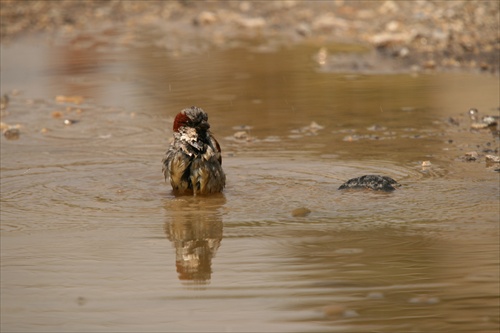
<point x="439" y="35"/>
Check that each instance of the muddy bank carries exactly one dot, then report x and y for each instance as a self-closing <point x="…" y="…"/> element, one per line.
<point x="401" y="35"/>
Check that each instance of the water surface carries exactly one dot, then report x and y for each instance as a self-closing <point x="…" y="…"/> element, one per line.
<point x="93" y="240"/>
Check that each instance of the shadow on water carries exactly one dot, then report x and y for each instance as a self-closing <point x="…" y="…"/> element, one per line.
<point x="92" y="238"/>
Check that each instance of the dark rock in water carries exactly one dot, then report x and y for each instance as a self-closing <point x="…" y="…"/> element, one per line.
<point x="374" y="182"/>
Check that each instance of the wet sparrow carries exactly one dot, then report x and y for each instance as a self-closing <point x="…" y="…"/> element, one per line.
<point x="193" y="162"/>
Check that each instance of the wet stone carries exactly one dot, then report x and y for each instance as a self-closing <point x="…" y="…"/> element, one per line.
<point x="492" y="158"/>
<point x="204" y="18"/>
<point x="350" y="314"/>
<point x="69" y="122"/>
<point x="429" y="64"/>
<point x="312" y="129"/>
<point x="471" y="156"/>
<point x="374" y="182"/>
<point x="481" y="122"/>
<point x="12" y="134"/>
<point x="56" y="114"/>
<point x="376" y="127"/>
<point x="479" y="125"/>
<point x="336" y="311"/>
<point x="241" y="135"/>
<point x="301" y="212"/>
<point x="490" y="120"/>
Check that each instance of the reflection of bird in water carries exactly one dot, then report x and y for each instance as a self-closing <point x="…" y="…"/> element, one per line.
<point x="193" y="162"/>
<point x="374" y="182"/>
<point x="194" y="226"/>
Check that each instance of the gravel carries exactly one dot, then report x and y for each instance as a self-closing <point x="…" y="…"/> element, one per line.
<point x="410" y="35"/>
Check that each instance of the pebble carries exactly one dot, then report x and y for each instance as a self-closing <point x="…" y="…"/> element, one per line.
<point x="479" y="125"/>
<point x="490" y="120"/>
<point x="301" y="212"/>
<point x="321" y="56"/>
<point x="69" y="99"/>
<point x="252" y="23"/>
<point x="350" y="313"/>
<point x="424" y="299"/>
<point x="303" y="29"/>
<point x="403" y="52"/>
<point x="339" y="311"/>
<point x="69" y="122"/>
<point x="56" y="114"/>
<point x="492" y="158"/>
<point x="388" y="38"/>
<point x="388" y="7"/>
<point x="484" y="122"/>
<point x="471" y="156"/>
<point x="334" y="310"/>
<point x="311" y="129"/>
<point x="376" y="127"/>
<point x="242" y="128"/>
<point x="429" y="64"/>
<point x="12" y="133"/>
<point x="205" y="18"/>
<point x="357" y="137"/>
<point x="243" y="136"/>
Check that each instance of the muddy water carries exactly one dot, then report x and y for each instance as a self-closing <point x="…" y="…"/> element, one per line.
<point x="93" y="240"/>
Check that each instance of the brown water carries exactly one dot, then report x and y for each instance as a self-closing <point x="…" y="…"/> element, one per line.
<point x="93" y="240"/>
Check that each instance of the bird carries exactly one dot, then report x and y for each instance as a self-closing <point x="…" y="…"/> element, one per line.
<point x="193" y="162"/>
<point x="374" y="182"/>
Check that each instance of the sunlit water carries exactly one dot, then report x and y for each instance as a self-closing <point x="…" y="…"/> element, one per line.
<point x="93" y="240"/>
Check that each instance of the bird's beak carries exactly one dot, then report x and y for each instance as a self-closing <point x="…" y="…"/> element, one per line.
<point x="204" y="125"/>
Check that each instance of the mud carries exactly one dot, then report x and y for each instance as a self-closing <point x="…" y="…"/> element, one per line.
<point x="390" y="35"/>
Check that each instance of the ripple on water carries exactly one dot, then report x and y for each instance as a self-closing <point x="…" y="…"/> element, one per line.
<point x="279" y="186"/>
<point x="76" y="195"/>
<point x="104" y="166"/>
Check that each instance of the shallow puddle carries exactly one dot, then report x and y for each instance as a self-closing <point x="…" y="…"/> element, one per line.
<point x="93" y="240"/>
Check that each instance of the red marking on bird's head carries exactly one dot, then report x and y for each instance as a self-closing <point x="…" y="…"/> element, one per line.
<point x="180" y="120"/>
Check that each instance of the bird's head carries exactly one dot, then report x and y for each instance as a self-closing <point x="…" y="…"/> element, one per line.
<point x="193" y="117"/>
